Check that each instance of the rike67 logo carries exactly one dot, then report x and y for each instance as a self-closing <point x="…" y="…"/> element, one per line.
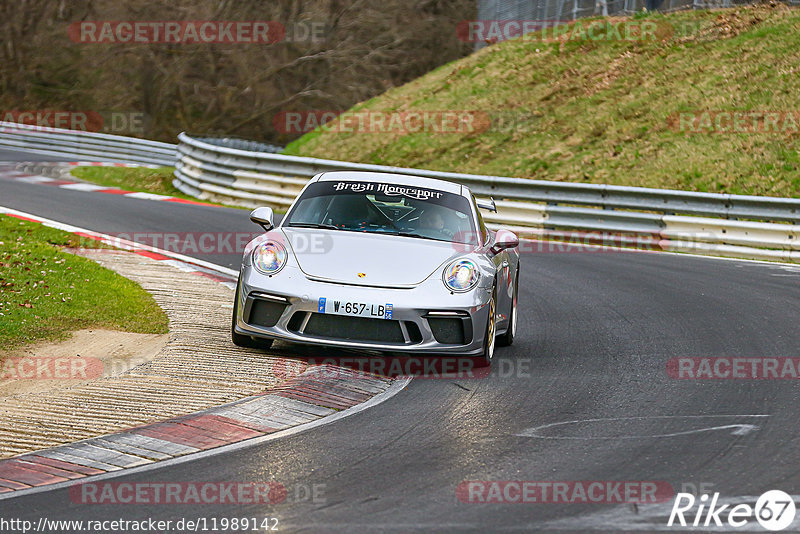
<point x="774" y="510"/>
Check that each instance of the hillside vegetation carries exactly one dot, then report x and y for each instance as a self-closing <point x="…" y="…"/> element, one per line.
<point x="648" y="112"/>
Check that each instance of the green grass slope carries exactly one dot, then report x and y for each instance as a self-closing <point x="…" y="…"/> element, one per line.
<point x="46" y="293"/>
<point x="608" y="110"/>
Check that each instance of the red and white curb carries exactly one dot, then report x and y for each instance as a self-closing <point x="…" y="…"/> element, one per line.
<point x="106" y="164"/>
<point x="95" y="164"/>
<point x="76" y="185"/>
<point x="319" y="395"/>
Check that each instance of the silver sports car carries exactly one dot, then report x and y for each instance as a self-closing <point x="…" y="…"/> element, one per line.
<point x="382" y="262"/>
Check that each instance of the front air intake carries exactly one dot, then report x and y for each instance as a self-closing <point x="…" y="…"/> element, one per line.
<point x="265" y="312"/>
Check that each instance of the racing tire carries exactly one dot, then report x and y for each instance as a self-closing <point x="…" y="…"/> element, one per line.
<point x="490" y="337"/>
<point x="507" y="338"/>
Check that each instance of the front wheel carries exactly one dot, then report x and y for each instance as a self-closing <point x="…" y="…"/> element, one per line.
<point x="490" y="337"/>
<point x="241" y="340"/>
<point x="507" y="338"/>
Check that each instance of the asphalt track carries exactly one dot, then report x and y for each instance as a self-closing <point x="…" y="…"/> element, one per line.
<point x="596" y="333"/>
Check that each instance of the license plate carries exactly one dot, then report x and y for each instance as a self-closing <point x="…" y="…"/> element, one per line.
<point x="355" y="309"/>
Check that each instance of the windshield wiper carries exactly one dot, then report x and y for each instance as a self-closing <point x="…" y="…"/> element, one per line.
<point x="314" y="225"/>
<point x="409" y="234"/>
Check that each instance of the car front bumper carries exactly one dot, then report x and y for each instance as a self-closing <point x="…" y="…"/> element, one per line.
<point x="425" y="319"/>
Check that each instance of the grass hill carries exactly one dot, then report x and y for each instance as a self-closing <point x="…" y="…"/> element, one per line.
<point x="711" y="103"/>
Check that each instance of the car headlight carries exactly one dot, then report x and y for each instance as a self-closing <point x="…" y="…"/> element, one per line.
<point x="461" y="276"/>
<point x="269" y="257"/>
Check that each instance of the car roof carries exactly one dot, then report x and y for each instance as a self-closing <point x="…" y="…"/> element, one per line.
<point x="392" y="178"/>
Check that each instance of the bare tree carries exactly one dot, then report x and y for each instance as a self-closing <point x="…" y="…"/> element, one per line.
<point x="360" y="49"/>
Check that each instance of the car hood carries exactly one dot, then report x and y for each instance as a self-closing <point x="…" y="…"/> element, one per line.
<point x="363" y="259"/>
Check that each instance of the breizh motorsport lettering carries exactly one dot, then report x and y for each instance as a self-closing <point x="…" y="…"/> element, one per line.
<point x="387" y="189"/>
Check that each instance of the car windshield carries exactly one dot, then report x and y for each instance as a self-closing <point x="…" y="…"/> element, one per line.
<point x="385" y="208"/>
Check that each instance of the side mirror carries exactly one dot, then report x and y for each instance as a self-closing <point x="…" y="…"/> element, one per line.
<point x="263" y="218"/>
<point x="503" y="240"/>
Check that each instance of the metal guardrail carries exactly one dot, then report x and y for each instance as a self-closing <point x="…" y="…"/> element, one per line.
<point x="241" y="144"/>
<point x="246" y="173"/>
<point x="673" y="220"/>
<point x="95" y="146"/>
